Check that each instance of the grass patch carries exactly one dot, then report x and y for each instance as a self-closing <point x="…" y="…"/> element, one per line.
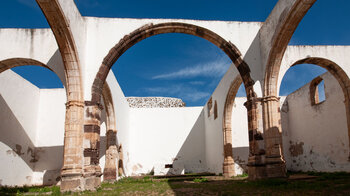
<point x="241" y="176"/>
<point x="323" y="184"/>
<point x="200" y="180"/>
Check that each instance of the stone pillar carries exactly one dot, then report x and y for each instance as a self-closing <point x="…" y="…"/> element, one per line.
<point x="110" y="170"/>
<point x="72" y="170"/>
<point x="120" y="162"/>
<point x="92" y="169"/>
<point x="275" y="163"/>
<point x="256" y="160"/>
<point x="228" y="166"/>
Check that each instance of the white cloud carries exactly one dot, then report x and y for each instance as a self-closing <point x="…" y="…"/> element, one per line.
<point x="212" y="69"/>
<point x="198" y="83"/>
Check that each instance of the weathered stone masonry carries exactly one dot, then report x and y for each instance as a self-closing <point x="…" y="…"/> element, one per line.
<point x="86" y="55"/>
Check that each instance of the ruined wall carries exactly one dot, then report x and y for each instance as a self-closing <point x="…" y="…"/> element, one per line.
<point x="50" y="136"/>
<point x="155" y="102"/>
<point x="18" y="98"/>
<point x="32" y="132"/>
<point x="163" y="136"/>
<point x="315" y="137"/>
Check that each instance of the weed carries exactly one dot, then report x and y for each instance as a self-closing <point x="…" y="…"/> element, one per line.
<point x="241" y="175"/>
<point x="199" y="180"/>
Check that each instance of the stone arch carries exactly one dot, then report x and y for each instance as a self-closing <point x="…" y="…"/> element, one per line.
<point x="340" y="75"/>
<point x="67" y="47"/>
<point x="73" y="160"/>
<point x="172" y="27"/>
<point x="15" y="62"/>
<point x="287" y="23"/>
<point x="109" y="106"/>
<point x="275" y="35"/>
<point x="228" y="165"/>
<point x="110" y="169"/>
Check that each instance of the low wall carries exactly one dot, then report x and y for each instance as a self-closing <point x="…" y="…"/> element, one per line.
<point x="167" y="136"/>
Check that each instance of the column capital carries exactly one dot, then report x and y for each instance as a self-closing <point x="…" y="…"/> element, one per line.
<point x="270" y="98"/>
<point x="75" y="103"/>
<point x="249" y="103"/>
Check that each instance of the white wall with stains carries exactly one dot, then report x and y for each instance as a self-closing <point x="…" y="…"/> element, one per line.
<point x="316" y="136"/>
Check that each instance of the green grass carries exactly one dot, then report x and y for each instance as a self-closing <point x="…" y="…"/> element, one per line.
<point x="241" y="176"/>
<point x="322" y="184"/>
<point x="199" y="180"/>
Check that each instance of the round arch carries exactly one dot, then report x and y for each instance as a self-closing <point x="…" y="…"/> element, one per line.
<point x="339" y="74"/>
<point x="108" y="101"/>
<point x="287" y="24"/>
<point x="173" y="27"/>
<point x="15" y="62"/>
<point x="228" y="165"/>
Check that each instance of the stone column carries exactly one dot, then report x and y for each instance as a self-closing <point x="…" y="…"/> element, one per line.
<point x="72" y="170"/>
<point x="92" y="169"/>
<point x="228" y="166"/>
<point x="256" y="160"/>
<point x="110" y="170"/>
<point x="120" y="162"/>
<point x="275" y="163"/>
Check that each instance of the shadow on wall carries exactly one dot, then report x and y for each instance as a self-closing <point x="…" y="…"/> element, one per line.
<point x="240" y="157"/>
<point x="191" y="157"/>
<point x="15" y="137"/>
<point x="38" y="159"/>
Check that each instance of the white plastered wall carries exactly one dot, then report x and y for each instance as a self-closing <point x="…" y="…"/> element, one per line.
<point x="19" y="114"/>
<point x="163" y="136"/>
<point x="33" y="44"/>
<point x="315" y="137"/>
<point x="50" y="136"/>
<point x="32" y="132"/>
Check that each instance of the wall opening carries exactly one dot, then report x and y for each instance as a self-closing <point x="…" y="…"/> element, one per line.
<point x="312" y="123"/>
<point x="317" y="91"/>
<point x="171" y="65"/>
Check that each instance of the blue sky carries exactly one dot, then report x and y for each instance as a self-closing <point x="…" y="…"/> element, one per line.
<point x="180" y="65"/>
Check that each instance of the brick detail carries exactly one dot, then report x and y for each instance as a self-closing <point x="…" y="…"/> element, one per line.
<point x="92" y="170"/>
